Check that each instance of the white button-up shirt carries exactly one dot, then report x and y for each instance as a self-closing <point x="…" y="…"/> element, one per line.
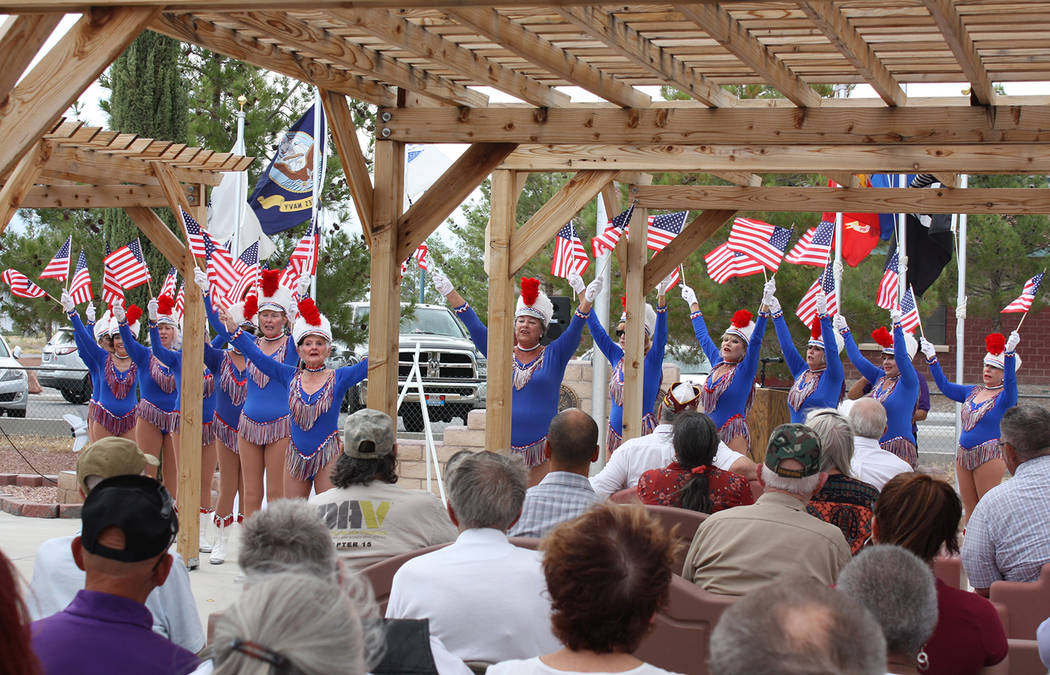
<point x="872" y="464"/>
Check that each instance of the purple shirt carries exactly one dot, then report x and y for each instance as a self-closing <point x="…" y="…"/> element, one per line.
<point x="101" y="634"/>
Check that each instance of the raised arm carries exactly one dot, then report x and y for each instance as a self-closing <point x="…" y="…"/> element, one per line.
<point x="602" y="341"/>
<point x="216" y="323"/>
<point x="655" y="357"/>
<point x="956" y="392"/>
<point x="868" y="370"/>
<point x="138" y="353"/>
<point x="264" y="362"/>
<point x="564" y="347"/>
<point x="348" y="376"/>
<point x="795" y="363"/>
<point x="213" y="357"/>
<point x="900" y="354"/>
<point x="479" y="334"/>
<point x="89" y="350"/>
<point x="754" y="348"/>
<point x="832" y="358"/>
<point x="172" y="359"/>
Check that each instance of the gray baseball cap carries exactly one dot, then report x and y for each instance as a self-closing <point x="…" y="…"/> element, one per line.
<point x="368" y="434"/>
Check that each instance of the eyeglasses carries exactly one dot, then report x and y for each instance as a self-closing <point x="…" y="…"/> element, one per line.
<point x="1001" y="444"/>
<point x="620" y="333"/>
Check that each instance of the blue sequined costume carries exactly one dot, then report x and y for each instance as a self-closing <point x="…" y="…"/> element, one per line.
<point x="811" y="389"/>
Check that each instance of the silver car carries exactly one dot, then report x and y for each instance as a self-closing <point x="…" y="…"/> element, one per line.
<point x="14" y="383"/>
<point x="62" y="368"/>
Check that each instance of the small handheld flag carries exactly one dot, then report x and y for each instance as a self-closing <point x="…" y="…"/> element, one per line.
<point x="569" y="253"/>
<point x="764" y="242"/>
<point x="80" y="286"/>
<point x="58" y="267"/>
<point x="1023" y="302"/>
<point x="21" y="285"/>
<point x="606" y="241"/>
<point x="807" y="307"/>
<point x="663" y="229"/>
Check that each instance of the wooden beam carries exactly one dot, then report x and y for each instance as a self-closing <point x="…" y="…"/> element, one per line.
<point x="20" y="39"/>
<point x="20" y="182"/>
<point x="728" y="32"/>
<point x="739" y="178"/>
<point x="417" y="40"/>
<point x="634" y="354"/>
<point x="22" y="6"/>
<point x="959" y="41"/>
<point x="611" y="199"/>
<point x="857" y="200"/>
<point x="385" y="303"/>
<point x="531" y="237"/>
<point x="681" y="247"/>
<point x="500" y="349"/>
<point x="98" y="197"/>
<point x="87" y="165"/>
<point x="447" y="193"/>
<point x="191" y="421"/>
<point x="843" y="178"/>
<point x="629" y="43"/>
<point x="859" y="126"/>
<point x="355" y="170"/>
<point x="177" y="203"/>
<point x="827" y="16"/>
<point x="531" y="46"/>
<point x="158" y="233"/>
<point x="193" y="30"/>
<point x="63" y="74"/>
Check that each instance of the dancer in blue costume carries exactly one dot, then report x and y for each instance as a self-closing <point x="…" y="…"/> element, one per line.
<point x="655" y="344"/>
<point x="895" y="384"/>
<point x="113" y="375"/>
<point x="727" y="393"/>
<point x="979" y="464"/>
<point x="818" y="377"/>
<point x="538" y="369"/>
<point x="313" y="394"/>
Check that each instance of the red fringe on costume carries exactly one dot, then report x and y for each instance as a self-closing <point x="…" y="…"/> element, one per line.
<point x="224" y="433"/>
<point x="971" y="458"/>
<point x="735" y="427"/>
<point x="258" y="377"/>
<point x="166" y="421"/>
<point x="903" y="448"/>
<point x="531" y="453"/>
<point x="118" y="426"/>
<point x="306" y="467"/>
<point x="305" y="414"/>
<point x="649" y="422"/>
<point x="236" y="389"/>
<point x="120" y="387"/>
<point x="263" y="433"/>
<point x="162" y="376"/>
<point x="92" y="404"/>
<point x="208" y="389"/>
<point x="207" y="433"/>
<point x="614" y="439"/>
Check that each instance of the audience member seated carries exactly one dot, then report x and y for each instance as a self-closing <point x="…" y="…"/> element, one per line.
<point x="921" y="514"/>
<point x="692" y="481"/>
<point x="19" y="658"/>
<point x="608" y="572"/>
<point x="898" y="588"/>
<point x="1043" y="638"/>
<point x="797" y="626"/>
<point x="844" y="501"/>
<point x="565" y="492"/>
<point x="56" y="577"/>
<point x="870" y="462"/>
<point x="291" y="623"/>
<point x="486" y="599"/>
<point x="656" y="450"/>
<point x="128" y="523"/>
<point x="1007" y="536"/>
<point x="738" y="550"/>
<point x="370" y="518"/>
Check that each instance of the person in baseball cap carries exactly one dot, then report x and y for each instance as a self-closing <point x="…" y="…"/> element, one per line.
<point x="797" y="443"/>
<point x="107" y="457"/>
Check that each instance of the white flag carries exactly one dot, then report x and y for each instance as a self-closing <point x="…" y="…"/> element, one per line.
<point x="227" y="199"/>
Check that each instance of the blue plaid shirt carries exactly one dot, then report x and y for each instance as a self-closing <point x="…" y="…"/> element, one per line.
<point x="1008" y="536"/>
<point x="560" y="496"/>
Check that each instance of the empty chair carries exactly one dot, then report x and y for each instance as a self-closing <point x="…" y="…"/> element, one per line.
<point x="1027" y="605"/>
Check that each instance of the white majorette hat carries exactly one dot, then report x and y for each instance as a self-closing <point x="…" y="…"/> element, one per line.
<point x="132" y="314"/>
<point x="272" y="295"/>
<point x="817" y="340"/>
<point x="166" y="311"/>
<point x="741" y="326"/>
<point x="885" y="339"/>
<point x="995" y="343"/>
<point x="104" y="326"/>
<point x="650" y="316"/>
<point x="534" y="302"/>
<point x="310" y="322"/>
<point x="243" y="312"/>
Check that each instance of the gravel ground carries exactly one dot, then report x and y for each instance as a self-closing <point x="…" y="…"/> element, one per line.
<point x="35" y="495"/>
<point x="47" y="455"/>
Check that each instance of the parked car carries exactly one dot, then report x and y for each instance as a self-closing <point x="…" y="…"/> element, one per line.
<point x="453" y="371"/>
<point x="62" y="368"/>
<point x="14" y="383"/>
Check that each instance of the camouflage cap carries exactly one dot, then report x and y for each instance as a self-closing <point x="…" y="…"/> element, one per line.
<point x="797" y="442"/>
<point x="368" y="434"/>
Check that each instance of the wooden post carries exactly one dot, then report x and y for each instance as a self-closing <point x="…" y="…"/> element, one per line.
<point x="501" y="312"/>
<point x="634" y="356"/>
<point x="385" y="305"/>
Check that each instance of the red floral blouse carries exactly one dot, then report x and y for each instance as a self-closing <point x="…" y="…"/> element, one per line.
<point x="663" y="487"/>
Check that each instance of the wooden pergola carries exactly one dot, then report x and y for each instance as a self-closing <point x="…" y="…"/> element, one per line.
<point x="427" y="64"/>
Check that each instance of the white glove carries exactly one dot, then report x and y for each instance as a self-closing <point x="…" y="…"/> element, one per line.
<point x="151" y="309"/>
<point x="119" y="314"/>
<point x="822" y="304"/>
<point x="895" y="316"/>
<point x="302" y="287"/>
<point x="689" y="295"/>
<point x="769" y="288"/>
<point x="665" y="283"/>
<point x="1011" y="342"/>
<point x="927" y="349"/>
<point x="200" y="277"/>
<point x="90" y="312"/>
<point x="67" y="302"/>
<point x="441" y="282"/>
<point x="576" y="282"/>
<point x="593" y="289"/>
<point x="772" y="304"/>
<point x="840" y="323"/>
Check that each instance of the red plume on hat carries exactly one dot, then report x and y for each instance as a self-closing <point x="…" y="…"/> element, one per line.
<point x="270" y="281"/>
<point x="741" y="318"/>
<point x="814" y="330"/>
<point x="165" y="304"/>
<point x="251" y="306"/>
<point x="623" y="301"/>
<point x="308" y="310"/>
<point x="530" y="290"/>
<point x="995" y="343"/>
<point x="883" y="337"/>
<point x="133" y="313"/>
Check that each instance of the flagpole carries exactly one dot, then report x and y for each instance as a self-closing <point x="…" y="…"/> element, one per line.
<point x="836" y="269"/>
<point x="599" y="368"/>
<point x="242" y="199"/>
<point x="149" y="286"/>
<point x="960" y="303"/>
<point x="902" y="247"/>
<point x="320" y="146"/>
<point x="918" y="316"/>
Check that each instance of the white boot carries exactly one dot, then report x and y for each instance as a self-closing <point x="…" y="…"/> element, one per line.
<point x="222" y="527"/>
<point x="207" y="534"/>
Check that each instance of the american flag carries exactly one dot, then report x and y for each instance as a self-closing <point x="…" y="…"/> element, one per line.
<point x="723" y="264"/>
<point x="304" y="257"/>
<point x="170" y="282"/>
<point x="247" y="268"/>
<point x="606" y="241"/>
<point x="909" y="312"/>
<point x="1023" y="303"/>
<point x="128" y="265"/>
<point x="180" y="302"/>
<point x="807" y="307"/>
<point x="674" y="278"/>
<point x="764" y="242"/>
<point x="887" y="298"/>
<point x="814" y="247"/>
<point x="422" y="256"/>
<point x="80" y="286"/>
<point x="289" y="277"/>
<point x="664" y="228"/>
<point x="569" y="253"/>
<point x="221" y="272"/>
<point x="193" y="231"/>
<point x="112" y="292"/>
<point x="21" y="285"/>
<point x="58" y="268"/>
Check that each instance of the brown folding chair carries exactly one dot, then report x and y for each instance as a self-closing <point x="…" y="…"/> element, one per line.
<point x="1027" y="605"/>
<point x="686" y="521"/>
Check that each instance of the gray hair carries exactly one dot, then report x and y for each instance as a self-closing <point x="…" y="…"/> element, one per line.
<point x="803" y="488"/>
<point x="797" y="626"/>
<point x="868" y="418"/>
<point x="288" y="534"/>
<point x="486" y="489"/>
<point x="898" y="588"/>
<point x="836" y="439"/>
<point x="1027" y="429"/>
